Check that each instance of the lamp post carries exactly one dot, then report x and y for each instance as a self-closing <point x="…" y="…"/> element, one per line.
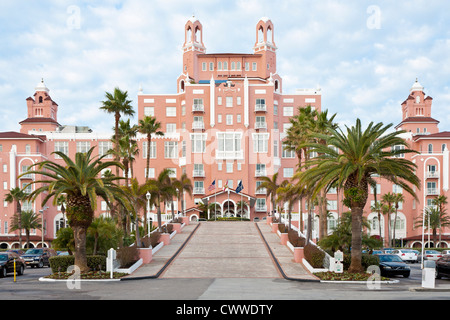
<point x="148" y="196"/>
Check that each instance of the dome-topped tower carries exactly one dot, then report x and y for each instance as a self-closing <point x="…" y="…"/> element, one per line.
<point x="416" y="87"/>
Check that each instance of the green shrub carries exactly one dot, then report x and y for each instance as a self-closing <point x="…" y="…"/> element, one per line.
<point x="127" y="256"/>
<point x="366" y="260"/>
<point x="314" y="256"/>
<point x="61" y="263"/>
<point x="295" y="239"/>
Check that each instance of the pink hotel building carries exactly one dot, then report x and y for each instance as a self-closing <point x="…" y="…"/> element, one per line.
<point x="226" y="123"/>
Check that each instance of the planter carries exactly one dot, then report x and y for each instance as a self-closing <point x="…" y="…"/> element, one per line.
<point x="165" y="238"/>
<point x="299" y="255"/>
<point x="284" y="237"/>
<point x="146" y="254"/>
<point x="275" y="227"/>
<point x="185" y="220"/>
<point x="269" y="220"/>
<point x="176" y="227"/>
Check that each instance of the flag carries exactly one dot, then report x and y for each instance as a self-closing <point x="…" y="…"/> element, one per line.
<point x="212" y="186"/>
<point x="240" y="187"/>
<point x="225" y="187"/>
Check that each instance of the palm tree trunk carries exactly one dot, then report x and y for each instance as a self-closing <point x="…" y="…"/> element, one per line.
<point x="149" y="140"/>
<point x="356" y="255"/>
<point x="19" y="219"/>
<point x="79" y="234"/>
<point x="395" y="223"/>
<point x="158" y="213"/>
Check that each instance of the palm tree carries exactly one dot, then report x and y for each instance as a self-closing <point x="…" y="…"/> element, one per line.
<point x="149" y="126"/>
<point x="137" y="195"/>
<point x="241" y="205"/>
<point x="398" y="198"/>
<point x="161" y="190"/>
<point x="270" y="186"/>
<point x="182" y="185"/>
<point x="440" y="201"/>
<point x="378" y="207"/>
<point x="288" y="192"/>
<point x="61" y="201"/>
<point x="349" y="160"/>
<point x="434" y="219"/>
<point x="117" y="103"/>
<point x="26" y="220"/>
<point x="79" y="181"/>
<point x="18" y="195"/>
<point x="388" y="200"/>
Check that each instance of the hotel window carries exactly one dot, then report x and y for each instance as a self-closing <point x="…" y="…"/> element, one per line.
<point x="83" y="146"/>
<point x="219" y="101"/>
<point x="397" y="189"/>
<point x="443" y="147"/>
<point x="219" y="118"/>
<point x="225" y="66"/>
<point x="198" y="104"/>
<point x="260" y="142"/>
<point x="104" y="147"/>
<point x="171" y="127"/>
<point x="229" y="144"/>
<point x="260" y="204"/>
<point x="61" y="146"/>
<point x="229" y="166"/>
<point x="170" y="149"/>
<point x="172" y="172"/>
<point x="230" y="184"/>
<point x="183" y="110"/>
<point x="229" y="101"/>
<point x="151" y="172"/>
<point x="233" y="66"/>
<point x="5" y="168"/>
<point x="204" y="66"/>
<point x="332" y="205"/>
<point x="238" y="66"/>
<point x="378" y="189"/>
<point x="238" y="101"/>
<point x="152" y="149"/>
<point x="288" y="154"/>
<point x="219" y="66"/>
<point x="254" y="66"/>
<point x="275" y="148"/>
<point x="288" y="172"/>
<point x="229" y="119"/>
<point x="397" y="148"/>
<point x="247" y="66"/>
<point x="286" y="127"/>
<point x="288" y="111"/>
<point x="198" y="142"/>
<point x="27" y="149"/>
<point x="430" y="148"/>
<point x="211" y="66"/>
<point x="238" y="118"/>
<point x="171" y="111"/>
<point x="149" y="111"/>
<point x="260" y="169"/>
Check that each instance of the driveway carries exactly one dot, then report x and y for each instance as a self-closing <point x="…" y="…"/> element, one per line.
<point x="224" y="249"/>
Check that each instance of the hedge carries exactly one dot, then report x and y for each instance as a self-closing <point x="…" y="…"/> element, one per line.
<point x="366" y="260"/>
<point x="61" y="263"/>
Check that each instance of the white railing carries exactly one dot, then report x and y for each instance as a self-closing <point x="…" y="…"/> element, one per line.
<point x="261" y="208"/>
<point x="261" y="125"/>
<point x="199" y="174"/>
<point x="260" y="173"/>
<point x="199" y="190"/>
<point x="432" y="174"/>
<point x="260" y="107"/>
<point x="432" y="191"/>
<point x="198" y="125"/>
<point x="198" y="108"/>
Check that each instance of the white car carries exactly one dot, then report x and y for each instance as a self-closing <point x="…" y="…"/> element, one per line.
<point x="446" y="252"/>
<point x="406" y="255"/>
<point x="432" y="255"/>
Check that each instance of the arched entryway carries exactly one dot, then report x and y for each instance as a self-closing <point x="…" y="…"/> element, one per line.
<point x="228" y="209"/>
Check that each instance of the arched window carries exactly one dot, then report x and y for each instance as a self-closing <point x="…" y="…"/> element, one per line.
<point x="40" y="100"/>
<point x="27" y="149"/>
<point x="430" y="148"/>
<point x="260" y="34"/>
<point x="418" y="99"/>
<point x="444" y="145"/>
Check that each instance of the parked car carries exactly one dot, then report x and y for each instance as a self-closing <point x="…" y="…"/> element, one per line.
<point x="430" y="255"/>
<point x="446" y="252"/>
<point x="377" y="252"/>
<point x="391" y="264"/>
<point x="38" y="257"/>
<point x="443" y="267"/>
<point x="388" y="250"/>
<point x="406" y="255"/>
<point x="18" y="251"/>
<point x="7" y="263"/>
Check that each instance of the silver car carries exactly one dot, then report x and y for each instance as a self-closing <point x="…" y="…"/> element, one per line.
<point x="406" y="255"/>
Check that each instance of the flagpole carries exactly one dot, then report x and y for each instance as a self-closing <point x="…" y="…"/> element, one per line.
<point x="215" y="205"/>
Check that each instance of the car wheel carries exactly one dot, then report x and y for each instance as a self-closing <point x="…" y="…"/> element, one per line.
<point x="437" y="275"/>
<point x="41" y="264"/>
<point x="20" y="271"/>
<point x="3" y="273"/>
<point x="406" y="275"/>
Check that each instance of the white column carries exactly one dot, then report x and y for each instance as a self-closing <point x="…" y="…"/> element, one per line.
<point x="445" y="169"/>
<point x="212" y="101"/>
<point x="12" y="167"/>
<point x="246" y="103"/>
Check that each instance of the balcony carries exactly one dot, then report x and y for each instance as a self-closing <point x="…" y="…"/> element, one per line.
<point x="260" y="108"/>
<point x="261" y="125"/>
<point x="432" y="175"/>
<point x="260" y="173"/>
<point x="198" y="174"/>
<point x="230" y="155"/>
<point x="198" y="108"/>
<point x="198" y="125"/>
<point x="199" y="191"/>
<point x="432" y="192"/>
<point x="261" y="191"/>
<point x="261" y="208"/>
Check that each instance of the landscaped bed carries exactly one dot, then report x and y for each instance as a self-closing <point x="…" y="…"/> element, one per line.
<point x="92" y="275"/>
<point x="346" y="276"/>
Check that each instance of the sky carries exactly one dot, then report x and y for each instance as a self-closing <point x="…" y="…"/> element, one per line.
<point x="364" y="55"/>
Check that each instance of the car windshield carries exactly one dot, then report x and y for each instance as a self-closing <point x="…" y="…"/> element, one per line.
<point x="34" y="251"/>
<point x="3" y="257"/>
<point x="431" y="252"/>
<point x="390" y="258"/>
